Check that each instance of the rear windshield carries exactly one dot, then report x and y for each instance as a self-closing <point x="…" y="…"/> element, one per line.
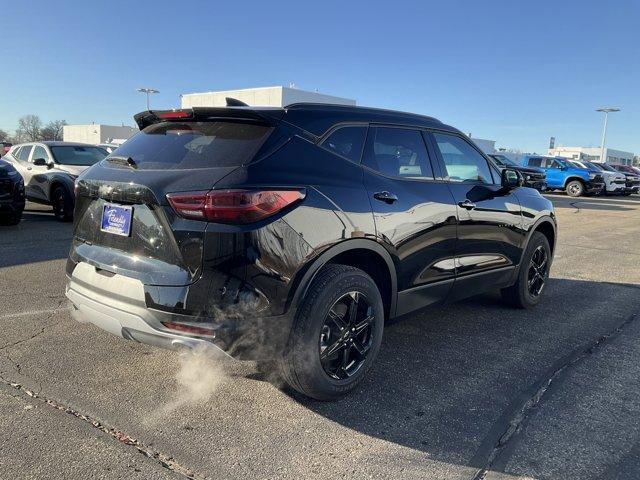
<point x="69" y="155"/>
<point x="187" y="145"/>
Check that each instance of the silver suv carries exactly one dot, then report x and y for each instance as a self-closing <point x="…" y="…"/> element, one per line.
<point x="49" y="170"/>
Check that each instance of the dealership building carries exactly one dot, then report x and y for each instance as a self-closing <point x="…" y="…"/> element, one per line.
<point x="592" y="154"/>
<point x="261" y="97"/>
<point x="96" y="134"/>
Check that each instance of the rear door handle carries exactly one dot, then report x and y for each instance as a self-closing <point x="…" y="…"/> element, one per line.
<point x="385" y="197"/>
<point x="468" y="204"/>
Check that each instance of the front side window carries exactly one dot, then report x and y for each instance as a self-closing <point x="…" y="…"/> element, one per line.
<point x="347" y="142"/>
<point x="80" y="155"/>
<point x="462" y="162"/>
<point x="398" y="152"/>
<point x="40" y="152"/>
<point x="23" y="153"/>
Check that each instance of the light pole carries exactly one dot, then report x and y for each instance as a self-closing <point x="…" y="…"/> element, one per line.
<point x="606" y="111"/>
<point x="148" y="91"/>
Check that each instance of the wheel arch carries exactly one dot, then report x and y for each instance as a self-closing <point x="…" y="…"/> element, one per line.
<point x="547" y="226"/>
<point x="59" y="181"/>
<point x="368" y="255"/>
<point x="571" y="179"/>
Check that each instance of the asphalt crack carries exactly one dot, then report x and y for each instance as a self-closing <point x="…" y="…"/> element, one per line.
<point x="163" y="459"/>
<point x="532" y="398"/>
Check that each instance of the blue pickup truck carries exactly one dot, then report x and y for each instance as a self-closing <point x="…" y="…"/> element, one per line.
<point x="562" y="175"/>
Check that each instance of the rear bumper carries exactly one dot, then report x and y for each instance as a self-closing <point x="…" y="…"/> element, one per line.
<point x="116" y="304"/>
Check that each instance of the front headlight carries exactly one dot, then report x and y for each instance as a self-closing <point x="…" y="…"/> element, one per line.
<point x="592" y="176"/>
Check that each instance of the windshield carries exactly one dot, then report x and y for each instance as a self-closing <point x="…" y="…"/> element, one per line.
<point x="608" y="167"/>
<point x="187" y="145"/>
<point x="594" y="166"/>
<point x="78" y="155"/>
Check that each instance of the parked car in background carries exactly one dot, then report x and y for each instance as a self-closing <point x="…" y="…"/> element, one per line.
<point x="533" y="177"/>
<point x="614" y="182"/>
<point x="5" y="147"/>
<point x="561" y="175"/>
<point x="626" y="168"/>
<point x="293" y="234"/>
<point x="49" y="170"/>
<point x="632" y="184"/>
<point x="11" y="194"/>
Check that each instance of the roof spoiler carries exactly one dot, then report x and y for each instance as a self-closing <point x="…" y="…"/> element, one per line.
<point x="234" y="102"/>
<point x="268" y="116"/>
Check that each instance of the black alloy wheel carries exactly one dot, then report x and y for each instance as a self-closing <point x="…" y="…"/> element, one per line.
<point x="533" y="274"/>
<point x="346" y="335"/>
<point x="336" y="333"/>
<point x="62" y="204"/>
<point x="538" y="271"/>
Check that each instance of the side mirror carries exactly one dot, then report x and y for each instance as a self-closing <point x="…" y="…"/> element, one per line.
<point x="40" y="162"/>
<point x="511" y="178"/>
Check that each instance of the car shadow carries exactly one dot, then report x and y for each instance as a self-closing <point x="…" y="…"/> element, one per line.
<point x="38" y="237"/>
<point x="448" y="381"/>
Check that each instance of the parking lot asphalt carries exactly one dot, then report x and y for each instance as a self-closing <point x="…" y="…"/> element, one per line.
<point x="471" y="390"/>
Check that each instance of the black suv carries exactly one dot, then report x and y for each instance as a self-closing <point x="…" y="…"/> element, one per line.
<point x="12" y="196"/>
<point x="292" y="234"/>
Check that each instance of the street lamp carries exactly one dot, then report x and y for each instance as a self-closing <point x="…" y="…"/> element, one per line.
<point x="606" y="111"/>
<point x="148" y="91"/>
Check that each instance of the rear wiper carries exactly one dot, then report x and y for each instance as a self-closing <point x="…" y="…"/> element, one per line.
<point x="128" y="161"/>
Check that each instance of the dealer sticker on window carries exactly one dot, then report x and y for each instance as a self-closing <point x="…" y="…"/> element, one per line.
<point x="116" y="219"/>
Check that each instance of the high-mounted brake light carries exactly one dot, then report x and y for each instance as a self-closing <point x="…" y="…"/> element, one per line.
<point x="233" y="206"/>
<point x="175" y="114"/>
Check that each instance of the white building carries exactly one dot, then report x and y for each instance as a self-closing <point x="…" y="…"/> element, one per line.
<point x="262" y="97"/>
<point x="96" y="134"/>
<point x="487" y="146"/>
<point x="592" y="154"/>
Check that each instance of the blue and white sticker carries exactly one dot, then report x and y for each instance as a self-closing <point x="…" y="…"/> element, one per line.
<point x="116" y="219"/>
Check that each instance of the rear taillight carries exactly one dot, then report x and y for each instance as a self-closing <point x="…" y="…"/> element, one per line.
<point x="233" y="206"/>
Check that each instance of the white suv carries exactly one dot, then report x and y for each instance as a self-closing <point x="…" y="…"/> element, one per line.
<point x="49" y="170"/>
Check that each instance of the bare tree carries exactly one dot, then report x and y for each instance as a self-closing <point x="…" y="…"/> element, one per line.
<point x="29" y="128"/>
<point x="53" y="130"/>
<point x="4" y="135"/>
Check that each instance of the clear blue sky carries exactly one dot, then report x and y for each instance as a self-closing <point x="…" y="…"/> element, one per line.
<point x="514" y="71"/>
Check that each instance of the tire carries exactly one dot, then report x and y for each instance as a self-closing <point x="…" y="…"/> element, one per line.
<point x="575" y="188"/>
<point x="62" y="202"/>
<point x="626" y="194"/>
<point x="519" y="295"/>
<point x="334" y="288"/>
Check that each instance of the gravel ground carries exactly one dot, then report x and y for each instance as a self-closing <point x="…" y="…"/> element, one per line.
<point x="471" y="390"/>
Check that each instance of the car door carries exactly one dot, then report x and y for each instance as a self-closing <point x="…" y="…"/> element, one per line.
<point x="414" y="213"/>
<point x="40" y="177"/>
<point x="22" y="156"/>
<point x="490" y="234"/>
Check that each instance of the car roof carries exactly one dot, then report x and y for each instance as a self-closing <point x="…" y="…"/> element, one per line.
<point x="52" y="143"/>
<point x="314" y="118"/>
<point x="317" y="118"/>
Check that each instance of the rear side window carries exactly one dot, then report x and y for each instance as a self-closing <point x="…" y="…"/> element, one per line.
<point x="189" y="145"/>
<point x="398" y="152"/>
<point x="347" y="142"/>
<point x="535" y="162"/>
<point x="462" y="161"/>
